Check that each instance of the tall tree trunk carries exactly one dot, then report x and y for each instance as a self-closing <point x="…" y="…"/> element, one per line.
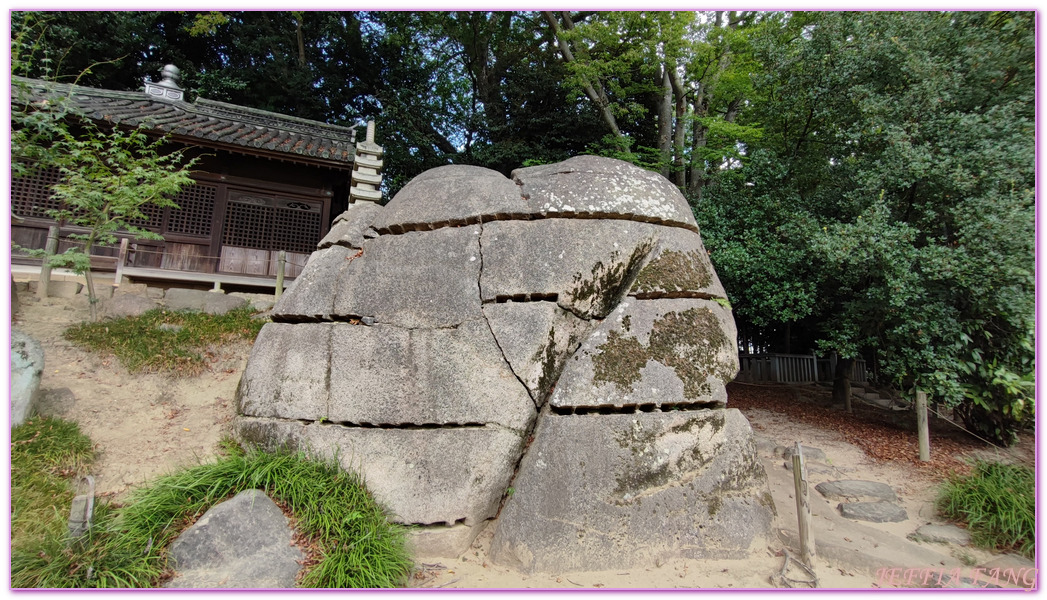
<point x="696" y="175"/>
<point x="679" y="174"/>
<point x="595" y="91"/>
<point x="298" y="17"/>
<point x="679" y="130"/>
<point x="665" y="119"/>
<point x="842" y="383"/>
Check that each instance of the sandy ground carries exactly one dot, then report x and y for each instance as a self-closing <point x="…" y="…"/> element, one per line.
<point x="142" y="425"/>
<point x="147" y="425"/>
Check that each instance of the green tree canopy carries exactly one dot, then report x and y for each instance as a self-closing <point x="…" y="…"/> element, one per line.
<point x="889" y="204"/>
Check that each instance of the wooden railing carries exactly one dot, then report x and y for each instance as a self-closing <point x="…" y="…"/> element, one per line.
<point x="793" y="368"/>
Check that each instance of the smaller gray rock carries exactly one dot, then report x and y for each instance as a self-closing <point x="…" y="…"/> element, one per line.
<point x="64" y="289"/>
<point x="873" y="512"/>
<point x="127" y="305"/>
<point x="349" y="228"/>
<point x="172" y="327"/>
<point x="212" y="303"/>
<point x="57" y="402"/>
<point x="941" y="534"/>
<point x="809" y="453"/>
<point x="1009" y="561"/>
<point x="27" y="366"/>
<point x="136" y="289"/>
<point x="853" y="490"/>
<point x="257" y="301"/>
<point x="813" y="467"/>
<point x="102" y="292"/>
<point x="442" y="540"/>
<point x="244" y="542"/>
<point x="16" y="287"/>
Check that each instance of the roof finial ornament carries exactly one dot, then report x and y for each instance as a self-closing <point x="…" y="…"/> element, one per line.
<point x="170" y="75"/>
<point x="167" y="88"/>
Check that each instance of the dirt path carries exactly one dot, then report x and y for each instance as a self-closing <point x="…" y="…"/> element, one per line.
<point x="142" y="425"/>
<point x="147" y="425"/>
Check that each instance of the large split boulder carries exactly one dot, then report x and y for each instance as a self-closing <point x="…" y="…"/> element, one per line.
<point x="554" y="346"/>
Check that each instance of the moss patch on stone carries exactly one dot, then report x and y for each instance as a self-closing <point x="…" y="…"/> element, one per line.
<point x="551" y="362"/>
<point x="606" y="285"/>
<point x="675" y="271"/>
<point x="689" y="342"/>
<point x="619" y="361"/>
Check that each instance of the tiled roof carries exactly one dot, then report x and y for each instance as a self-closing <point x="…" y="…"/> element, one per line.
<point x="210" y="123"/>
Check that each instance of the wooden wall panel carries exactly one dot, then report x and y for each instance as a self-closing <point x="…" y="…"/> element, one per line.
<point x="295" y="263"/>
<point x="187" y="257"/>
<point x="247" y="261"/>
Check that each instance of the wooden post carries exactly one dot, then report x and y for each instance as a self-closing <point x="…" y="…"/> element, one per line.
<point x="281" y="262"/>
<point x="921" y="426"/>
<point x="121" y="258"/>
<point x="51" y="248"/>
<point x="803" y="507"/>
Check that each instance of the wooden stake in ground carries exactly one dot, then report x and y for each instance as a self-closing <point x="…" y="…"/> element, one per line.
<point x="921" y="426"/>
<point x="803" y="507"/>
<point x="281" y="264"/>
<point x="121" y="258"/>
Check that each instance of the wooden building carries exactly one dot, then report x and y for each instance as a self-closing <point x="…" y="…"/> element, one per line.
<point x="265" y="182"/>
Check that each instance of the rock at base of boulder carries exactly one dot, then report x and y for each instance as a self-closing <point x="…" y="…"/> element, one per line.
<point x="599" y="492"/>
<point x="873" y="512"/>
<point x="441" y="540"/>
<point x="855" y="490"/>
<point x="422" y="476"/>
<point x="244" y="542"/>
<point x="27" y="366"/>
<point x="941" y="534"/>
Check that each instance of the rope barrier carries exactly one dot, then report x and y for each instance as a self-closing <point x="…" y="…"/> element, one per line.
<point x="288" y="260"/>
<point x="961" y="427"/>
<point x="929" y="409"/>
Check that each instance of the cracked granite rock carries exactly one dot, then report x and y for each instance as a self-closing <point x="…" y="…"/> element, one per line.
<point x="428" y="341"/>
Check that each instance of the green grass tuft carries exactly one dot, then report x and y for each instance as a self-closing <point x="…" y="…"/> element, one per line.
<point x="148" y="344"/>
<point x="998" y="504"/>
<point x="127" y="545"/>
<point x="45" y="454"/>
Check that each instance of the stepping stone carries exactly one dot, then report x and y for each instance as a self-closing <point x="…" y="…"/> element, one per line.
<point x="854" y="490"/>
<point x="1009" y="561"/>
<point x="873" y="512"/>
<point x="941" y="534"/>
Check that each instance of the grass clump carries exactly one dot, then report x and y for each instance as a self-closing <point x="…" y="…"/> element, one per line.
<point x="998" y="504"/>
<point x="45" y="454"/>
<point x="336" y="516"/>
<point x="162" y="341"/>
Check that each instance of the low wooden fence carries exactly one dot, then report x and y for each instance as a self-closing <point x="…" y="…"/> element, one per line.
<point x="793" y="368"/>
